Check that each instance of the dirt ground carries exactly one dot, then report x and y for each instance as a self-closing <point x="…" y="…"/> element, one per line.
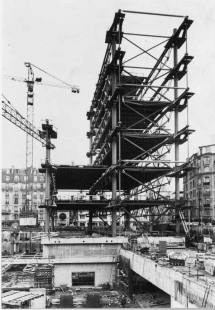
<point x="112" y="299"/>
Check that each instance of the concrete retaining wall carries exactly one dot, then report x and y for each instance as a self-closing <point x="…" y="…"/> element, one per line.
<point x="103" y="273"/>
<point x="81" y="247"/>
<point x="68" y="250"/>
<point x="180" y="287"/>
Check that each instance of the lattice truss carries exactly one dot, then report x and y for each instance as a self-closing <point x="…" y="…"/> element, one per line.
<point x="145" y="103"/>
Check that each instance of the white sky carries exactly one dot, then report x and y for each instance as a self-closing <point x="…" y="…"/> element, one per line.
<point x="67" y="39"/>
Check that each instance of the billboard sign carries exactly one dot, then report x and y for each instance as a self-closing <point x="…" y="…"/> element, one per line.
<point x="28" y="221"/>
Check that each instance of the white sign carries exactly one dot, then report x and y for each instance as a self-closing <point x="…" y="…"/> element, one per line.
<point x="28" y="221"/>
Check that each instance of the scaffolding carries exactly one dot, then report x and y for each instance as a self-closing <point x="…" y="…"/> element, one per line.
<point x="44" y="277"/>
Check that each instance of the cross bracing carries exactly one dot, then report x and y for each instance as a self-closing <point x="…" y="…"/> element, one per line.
<point x="134" y="103"/>
<point x="130" y="113"/>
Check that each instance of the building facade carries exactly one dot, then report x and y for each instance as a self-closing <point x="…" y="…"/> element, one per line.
<point x="199" y="186"/>
<point x="16" y="190"/>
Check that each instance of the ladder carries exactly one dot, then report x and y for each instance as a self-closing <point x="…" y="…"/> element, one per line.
<point x="205" y="298"/>
<point x="186" y="229"/>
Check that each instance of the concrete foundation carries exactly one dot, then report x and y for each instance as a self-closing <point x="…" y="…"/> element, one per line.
<point x="74" y="255"/>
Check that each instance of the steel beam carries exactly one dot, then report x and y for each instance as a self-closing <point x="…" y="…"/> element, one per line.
<point x="145" y="35"/>
<point x="157" y="14"/>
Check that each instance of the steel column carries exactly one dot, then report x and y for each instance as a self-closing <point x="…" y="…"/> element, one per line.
<point x="90" y="221"/>
<point x="91" y="161"/>
<point x="114" y="144"/>
<point x="176" y="119"/>
<point x="47" y="198"/>
<point x="119" y="124"/>
<point x="91" y="140"/>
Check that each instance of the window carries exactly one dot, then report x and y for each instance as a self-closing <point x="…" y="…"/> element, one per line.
<point x="17" y="170"/>
<point x="206" y="161"/>
<point x="35" y="171"/>
<point x="207" y="212"/>
<point x="206" y="191"/>
<point x="41" y="216"/>
<point x="16" y="216"/>
<point x="25" y="178"/>
<point x="7" y="178"/>
<point x="41" y="178"/>
<point x="15" y="200"/>
<point x="206" y="179"/>
<point x="207" y="201"/>
<point x="207" y="149"/>
<point x="16" y="178"/>
<point x="35" y="178"/>
<point x="206" y="169"/>
<point x="199" y="181"/>
<point x="41" y="186"/>
<point x="82" y="216"/>
<point x="83" y="278"/>
<point x="6" y="217"/>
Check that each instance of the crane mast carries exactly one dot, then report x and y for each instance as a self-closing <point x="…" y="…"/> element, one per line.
<point x="29" y="140"/>
<point x="44" y="136"/>
<point x="28" y="207"/>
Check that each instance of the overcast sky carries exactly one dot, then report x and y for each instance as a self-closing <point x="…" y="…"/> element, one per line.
<point x="67" y="39"/>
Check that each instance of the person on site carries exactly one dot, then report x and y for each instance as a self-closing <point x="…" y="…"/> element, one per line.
<point x="123" y="301"/>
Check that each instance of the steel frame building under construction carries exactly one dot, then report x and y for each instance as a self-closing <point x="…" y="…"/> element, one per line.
<point x="128" y="134"/>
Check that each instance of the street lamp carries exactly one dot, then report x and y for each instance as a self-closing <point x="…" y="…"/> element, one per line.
<point x="199" y="214"/>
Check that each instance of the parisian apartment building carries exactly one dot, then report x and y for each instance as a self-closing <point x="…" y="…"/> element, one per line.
<point x="16" y="190"/>
<point x="199" y="186"/>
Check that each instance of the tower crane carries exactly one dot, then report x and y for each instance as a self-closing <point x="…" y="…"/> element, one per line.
<point x="43" y="136"/>
<point x="10" y="113"/>
<point x="30" y="115"/>
<point x="38" y="81"/>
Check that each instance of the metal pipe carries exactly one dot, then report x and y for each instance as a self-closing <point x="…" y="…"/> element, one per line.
<point x="153" y="86"/>
<point x="158" y="14"/>
<point x="176" y="125"/>
<point x="146" y="35"/>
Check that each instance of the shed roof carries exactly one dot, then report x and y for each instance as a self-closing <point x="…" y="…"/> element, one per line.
<point x="16" y="298"/>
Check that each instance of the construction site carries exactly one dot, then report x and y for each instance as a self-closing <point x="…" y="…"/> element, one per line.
<point x="146" y="255"/>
